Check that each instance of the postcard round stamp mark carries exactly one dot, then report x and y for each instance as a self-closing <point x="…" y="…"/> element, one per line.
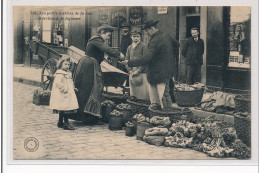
<point x="31" y="144"/>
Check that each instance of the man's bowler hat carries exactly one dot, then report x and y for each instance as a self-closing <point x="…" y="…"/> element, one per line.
<point x="149" y="24"/>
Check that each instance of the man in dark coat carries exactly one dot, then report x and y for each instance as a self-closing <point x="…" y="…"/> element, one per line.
<point x="125" y="42"/>
<point x="126" y="39"/>
<point x="161" y="65"/>
<point x="193" y="50"/>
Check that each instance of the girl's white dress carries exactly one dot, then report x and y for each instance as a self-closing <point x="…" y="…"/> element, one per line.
<point x="59" y="100"/>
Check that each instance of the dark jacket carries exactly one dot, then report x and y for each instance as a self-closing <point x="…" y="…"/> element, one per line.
<point x="96" y="48"/>
<point x="139" y="51"/>
<point x="159" y="58"/>
<point x="125" y="42"/>
<point x="193" y="51"/>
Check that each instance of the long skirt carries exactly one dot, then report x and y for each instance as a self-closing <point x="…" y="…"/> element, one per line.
<point x="89" y="82"/>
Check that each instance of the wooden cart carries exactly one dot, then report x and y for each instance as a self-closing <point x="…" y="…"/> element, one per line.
<point x="50" y="54"/>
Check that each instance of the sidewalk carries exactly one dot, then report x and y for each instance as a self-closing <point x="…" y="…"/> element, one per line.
<point x="32" y="76"/>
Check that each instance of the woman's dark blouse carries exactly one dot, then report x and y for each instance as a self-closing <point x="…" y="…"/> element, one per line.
<point x="96" y="48"/>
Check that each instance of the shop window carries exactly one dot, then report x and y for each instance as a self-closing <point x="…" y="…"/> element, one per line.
<point x="239" y="37"/>
<point x="46" y="30"/>
<point x="58" y="32"/>
<point x="36" y="30"/>
<point x="114" y="38"/>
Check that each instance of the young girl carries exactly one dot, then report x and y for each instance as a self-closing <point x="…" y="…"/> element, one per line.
<point x="63" y="99"/>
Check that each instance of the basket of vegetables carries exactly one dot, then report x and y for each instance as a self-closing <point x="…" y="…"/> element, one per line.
<point x="138" y="118"/>
<point x="188" y="95"/>
<point x="243" y="103"/>
<point x="125" y="109"/>
<point x="139" y="106"/>
<point x="173" y="113"/>
<point x="107" y="107"/>
<point x="129" y="129"/>
<point x="115" y="120"/>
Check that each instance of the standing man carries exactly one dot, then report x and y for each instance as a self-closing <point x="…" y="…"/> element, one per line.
<point x="126" y="38"/>
<point x="160" y="65"/>
<point x="125" y="42"/>
<point x="193" y="51"/>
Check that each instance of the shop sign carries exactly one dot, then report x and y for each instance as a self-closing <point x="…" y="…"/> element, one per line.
<point x="135" y="14"/>
<point x="118" y="16"/>
<point x="162" y="10"/>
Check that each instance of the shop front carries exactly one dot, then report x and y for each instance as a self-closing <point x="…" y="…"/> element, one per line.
<point x="226" y="35"/>
<point x="226" y="59"/>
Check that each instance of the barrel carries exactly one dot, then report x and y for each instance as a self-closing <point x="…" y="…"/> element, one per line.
<point x="129" y="131"/>
<point x="105" y="112"/>
<point x="126" y="116"/>
<point x="115" y="123"/>
<point x="141" y="127"/>
<point x="134" y="121"/>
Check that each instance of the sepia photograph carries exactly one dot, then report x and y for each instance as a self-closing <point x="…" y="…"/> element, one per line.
<point x="132" y="83"/>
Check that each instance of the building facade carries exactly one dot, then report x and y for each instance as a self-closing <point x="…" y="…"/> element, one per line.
<point x="225" y="31"/>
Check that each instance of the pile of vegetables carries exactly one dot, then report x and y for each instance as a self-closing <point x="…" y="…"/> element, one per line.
<point x="116" y="113"/>
<point x="129" y="124"/>
<point x="160" y="121"/>
<point x="183" y="87"/>
<point x="108" y="103"/>
<point x="241" y="151"/>
<point x="156" y="131"/>
<point x="141" y="118"/>
<point x="215" y="138"/>
<point x="186" y="87"/>
<point x="178" y="141"/>
<point x="123" y="106"/>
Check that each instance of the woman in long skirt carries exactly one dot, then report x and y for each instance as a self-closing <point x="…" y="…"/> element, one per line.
<point x="88" y="77"/>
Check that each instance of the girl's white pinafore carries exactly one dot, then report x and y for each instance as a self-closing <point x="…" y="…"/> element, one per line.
<point x="59" y="100"/>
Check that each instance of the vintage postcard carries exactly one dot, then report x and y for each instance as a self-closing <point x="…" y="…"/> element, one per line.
<point x="102" y="83"/>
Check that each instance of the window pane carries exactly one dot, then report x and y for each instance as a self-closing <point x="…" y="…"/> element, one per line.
<point x="46" y="24"/>
<point x="46" y="36"/>
<point x="239" y="37"/>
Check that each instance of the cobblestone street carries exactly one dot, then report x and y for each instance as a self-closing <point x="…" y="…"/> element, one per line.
<point x="86" y="142"/>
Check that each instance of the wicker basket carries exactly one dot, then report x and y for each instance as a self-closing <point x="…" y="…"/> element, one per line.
<point x="127" y="116"/>
<point x="141" y="127"/>
<point x="139" y="106"/>
<point x="41" y="97"/>
<point x="105" y="112"/>
<point x="243" y="104"/>
<point x="117" y="98"/>
<point x="173" y="113"/>
<point x="115" y="123"/>
<point x="243" y="128"/>
<point x="129" y="131"/>
<point x="188" y="98"/>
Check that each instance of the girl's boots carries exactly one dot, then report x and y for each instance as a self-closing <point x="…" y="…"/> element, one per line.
<point x="60" y="122"/>
<point x="67" y="125"/>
